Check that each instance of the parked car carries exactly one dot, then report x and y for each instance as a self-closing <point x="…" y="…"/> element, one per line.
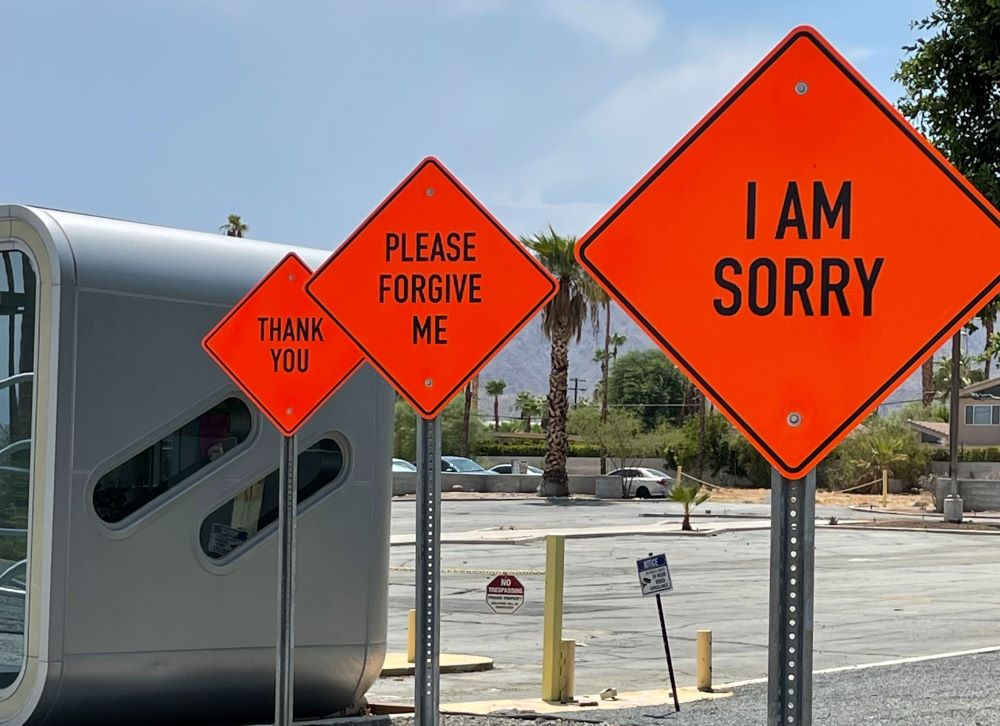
<point x="403" y="465"/>
<point x="508" y="469"/>
<point x="644" y="483"/>
<point x="461" y="465"/>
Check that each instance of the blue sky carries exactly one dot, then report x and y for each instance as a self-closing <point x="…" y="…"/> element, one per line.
<point x="302" y="115"/>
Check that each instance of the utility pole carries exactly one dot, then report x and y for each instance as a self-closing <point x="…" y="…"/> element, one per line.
<point x="576" y="388"/>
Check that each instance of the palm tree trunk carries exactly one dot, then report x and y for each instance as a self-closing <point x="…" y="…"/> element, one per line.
<point x="988" y="328"/>
<point x="604" y="379"/>
<point x="686" y="522"/>
<point x="555" y="482"/>
<point x="466" y="420"/>
<point x="496" y="413"/>
<point x="927" y="381"/>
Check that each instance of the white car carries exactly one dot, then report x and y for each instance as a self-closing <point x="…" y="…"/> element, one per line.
<point x="403" y="465"/>
<point x="643" y="483"/>
<point x="508" y="469"/>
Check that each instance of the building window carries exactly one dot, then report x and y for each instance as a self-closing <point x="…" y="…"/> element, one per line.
<point x="239" y="520"/>
<point x="17" y="365"/>
<point x="171" y="460"/>
<point x="976" y="415"/>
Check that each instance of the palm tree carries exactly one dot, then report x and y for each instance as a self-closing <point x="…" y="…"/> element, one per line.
<point x="687" y="496"/>
<point x="988" y="317"/>
<point x="234" y="226"/>
<point x="562" y="319"/>
<point x="528" y="404"/>
<point x="496" y="389"/>
<point x="967" y="375"/>
<point x="616" y="340"/>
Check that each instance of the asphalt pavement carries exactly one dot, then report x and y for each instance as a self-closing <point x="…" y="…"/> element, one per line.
<point x="879" y="596"/>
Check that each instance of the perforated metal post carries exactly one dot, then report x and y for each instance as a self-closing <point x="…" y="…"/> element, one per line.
<point x="285" y="671"/>
<point x="789" y="672"/>
<point x="426" y="699"/>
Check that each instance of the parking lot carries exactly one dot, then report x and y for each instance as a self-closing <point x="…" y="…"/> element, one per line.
<point x="880" y="595"/>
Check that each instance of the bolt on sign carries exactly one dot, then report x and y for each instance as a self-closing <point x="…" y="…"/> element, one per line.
<point x="797" y="221"/>
<point x="281" y="349"/>
<point x="431" y="287"/>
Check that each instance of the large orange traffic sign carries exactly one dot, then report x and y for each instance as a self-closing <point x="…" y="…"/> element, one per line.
<point x="281" y="349"/>
<point x="431" y="287"/>
<point x="797" y="253"/>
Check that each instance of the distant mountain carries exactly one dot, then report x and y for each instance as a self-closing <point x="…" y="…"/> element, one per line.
<point x="524" y="364"/>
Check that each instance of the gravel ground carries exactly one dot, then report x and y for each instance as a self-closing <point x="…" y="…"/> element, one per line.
<point x="959" y="691"/>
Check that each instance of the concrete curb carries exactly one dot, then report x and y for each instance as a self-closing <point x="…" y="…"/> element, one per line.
<point x="396" y="664"/>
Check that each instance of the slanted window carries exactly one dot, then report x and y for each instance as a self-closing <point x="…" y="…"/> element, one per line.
<point x="241" y="519"/>
<point x="156" y="470"/>
<point x="976" y="415"/>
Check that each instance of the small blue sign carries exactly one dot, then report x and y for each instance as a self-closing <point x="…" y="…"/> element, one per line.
<point x="654" y="575"/>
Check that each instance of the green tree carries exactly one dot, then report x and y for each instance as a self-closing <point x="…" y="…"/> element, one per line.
<point x="950" y="79"/>
<point x="404" y="441"/>
<point x="620" y="434"/>
<point x="647" y="382"/>
<point x="562" y="320"/>
<point x="881" y="443"/>
<point x="968" y="374"/>
<point x="529" y="405"/>
<point x="496" y="389"/>
<point x="688" y="497"/>
<point x="234" y="226"/>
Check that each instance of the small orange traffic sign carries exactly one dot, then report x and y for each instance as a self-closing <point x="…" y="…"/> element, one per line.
<point x="281" y="349"/>
<point x="806" y="241"/>
<point x="431" y="287"/>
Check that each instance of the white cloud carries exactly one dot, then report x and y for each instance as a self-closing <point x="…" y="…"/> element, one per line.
<point x="625" y="133"/>
<point x="624" y="25"/>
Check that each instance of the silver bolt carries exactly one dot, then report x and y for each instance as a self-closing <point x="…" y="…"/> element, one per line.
<point x="429" y="191"/>
<point x="429" y="382"/>
<point x="289" y="411"/>
<point x="801" y="87"/>
<point x="794" y="418"/>
<point x="292" y="278"/>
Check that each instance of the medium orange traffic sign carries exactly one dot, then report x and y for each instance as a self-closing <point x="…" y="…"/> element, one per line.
<point x="805" y="240"/>
<point x="281" y="349"/>
<point x="431" y="287"/>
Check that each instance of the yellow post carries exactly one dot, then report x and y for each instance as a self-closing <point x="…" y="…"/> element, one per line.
<point x="885" y="488"/>
<point x="411" y="637"/>
<point x="555" y="551"/>
<point x="680" y="473"/>
<point x="567" y="681"/>
<point x="704" y="673"/>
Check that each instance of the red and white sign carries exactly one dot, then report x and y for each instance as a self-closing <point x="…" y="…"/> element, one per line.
<point x="505" y="594"/>
<point x="803" y="231"/>
<point x="431" y="287"/>
<point x="281" y="349"/>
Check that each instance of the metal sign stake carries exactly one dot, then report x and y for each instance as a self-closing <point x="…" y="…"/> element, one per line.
<point x="426" y="700"/>
<point x="284" y="674"/>
<point x="790" y="635"/>
<point x="666" y="648"/>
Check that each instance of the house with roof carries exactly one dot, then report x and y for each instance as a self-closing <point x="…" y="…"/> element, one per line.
<point x="978" y="419"/>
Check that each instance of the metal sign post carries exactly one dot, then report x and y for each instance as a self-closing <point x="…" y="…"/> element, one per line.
<point x="426" y="700"/>
<point x="790" y="635"/>
<point x="284" y="674"/>
<point x="666" y="648"/>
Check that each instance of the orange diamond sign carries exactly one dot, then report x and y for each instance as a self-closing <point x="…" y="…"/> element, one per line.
<point x="281" y="349"/>
<point x="795" y="253"/>
<point x="431" y="287"/>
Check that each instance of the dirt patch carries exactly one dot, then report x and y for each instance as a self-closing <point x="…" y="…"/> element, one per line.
<point x="931" y="524"/>
<point x="915" y="502"/>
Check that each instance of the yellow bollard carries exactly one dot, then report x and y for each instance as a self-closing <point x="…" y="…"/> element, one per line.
<point x="411" y="637"/>
<point x="703" y="679"/>
<point x="680" y="474"/>
<point x="567" y="681"/>
<point x="885" y="488"/>
<point x="555" y="555"/>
